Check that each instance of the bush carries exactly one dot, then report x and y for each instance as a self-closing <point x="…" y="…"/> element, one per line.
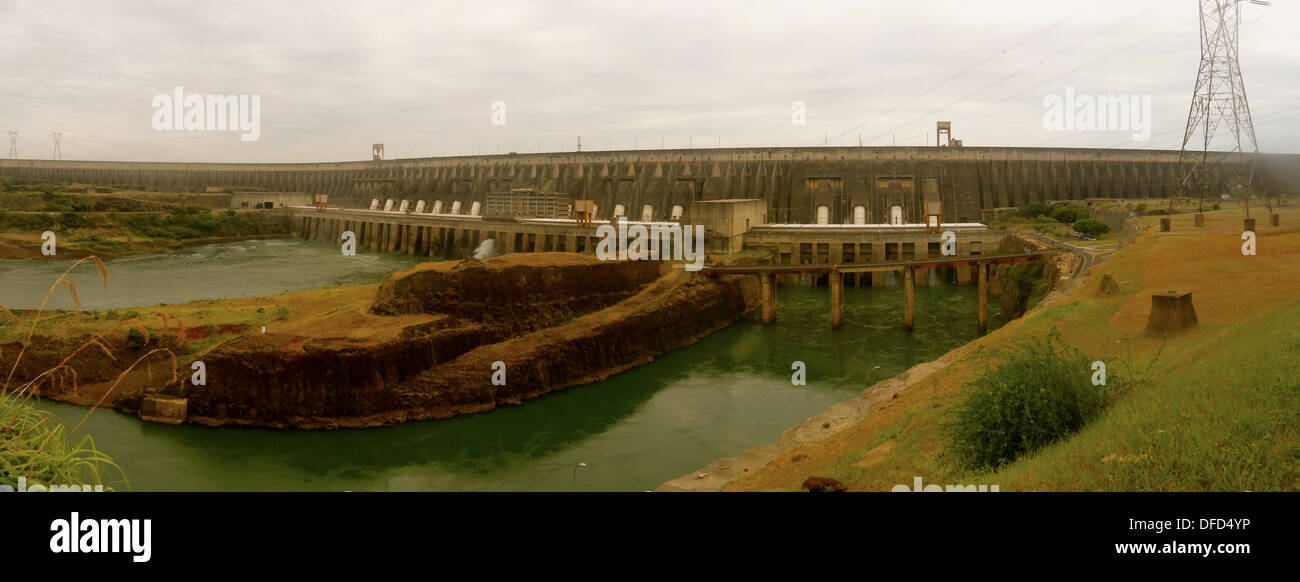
<point x="1216" y="205"/>
<point x="22" y="222"/>
<point x="191" y="222"/>
<point x="1041" y="394"/>
<point x="1034" y="209"/>
<point x="1044" y="220"/>
<point x="1091" y="227"/>
<point x="72" y="220"/>
<point x="1069" y="214"/>
<point x="134" y="339"/>
<point x="7" y="184"/>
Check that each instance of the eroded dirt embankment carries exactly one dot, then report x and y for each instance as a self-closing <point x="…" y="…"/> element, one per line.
<point x="426" y="346"/>
<point x="1017" y="287"/>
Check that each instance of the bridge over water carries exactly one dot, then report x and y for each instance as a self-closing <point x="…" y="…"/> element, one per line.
<point x="836" y="273"/>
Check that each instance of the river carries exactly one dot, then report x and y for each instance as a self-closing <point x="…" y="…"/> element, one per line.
<point x="632" y="432"/>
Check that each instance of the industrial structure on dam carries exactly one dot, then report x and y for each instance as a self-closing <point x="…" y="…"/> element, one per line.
<point x="828" y="185"/>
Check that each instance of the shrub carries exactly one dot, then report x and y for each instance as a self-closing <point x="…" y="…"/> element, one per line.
<point x="1216" y="205"/>
<point x="7" y="184"/>
<point x="1091" y="227"/>
<point x="1069" y="214"/>
<point x="189" y="222"/>
<point x="134" y="339"/>
<point x="1034" y="209"/>
<point x="1044" y="220"/>
<point x="72" y="220"/>
<point x="1041" y="394"/>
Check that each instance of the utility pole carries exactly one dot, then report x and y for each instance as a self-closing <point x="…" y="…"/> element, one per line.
<point x="1219" y="98"/>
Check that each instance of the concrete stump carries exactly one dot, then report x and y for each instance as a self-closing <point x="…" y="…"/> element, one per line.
<point x="1108" y="286"/>
<point x="1200" y="219"/>
<point x="164" y="409"/>
<point x="1171" y="312"/>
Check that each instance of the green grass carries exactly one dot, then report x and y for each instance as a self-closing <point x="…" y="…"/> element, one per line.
<point x="37" y="446"/>
<point x="1224" y="416"/>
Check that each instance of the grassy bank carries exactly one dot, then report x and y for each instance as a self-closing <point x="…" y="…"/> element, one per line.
<point x="1217" y="408"/>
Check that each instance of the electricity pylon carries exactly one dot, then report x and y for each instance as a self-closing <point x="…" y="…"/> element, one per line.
<point x="1219" y="99"/>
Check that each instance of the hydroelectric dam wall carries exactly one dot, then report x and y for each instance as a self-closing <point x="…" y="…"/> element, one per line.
<point x="801" y="185"/>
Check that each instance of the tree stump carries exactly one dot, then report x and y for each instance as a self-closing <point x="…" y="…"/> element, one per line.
<point x="1165" y="223"/>
<point x="1108" y="286"/>
<point x="1274" y="219"/>
<point x="1200" y="219"/>
<point x="1171" y="312"/>
<point x="1249" y="224"/>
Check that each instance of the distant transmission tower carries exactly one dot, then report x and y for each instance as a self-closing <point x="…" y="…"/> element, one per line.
<point x="1218" y="99"/>
<point x="58" y="148"/>
<point x="13" y="145"/>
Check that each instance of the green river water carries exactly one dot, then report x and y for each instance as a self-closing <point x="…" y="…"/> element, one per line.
<point x="634" y="431"/>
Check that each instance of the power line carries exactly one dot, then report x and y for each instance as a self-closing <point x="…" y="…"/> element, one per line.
<point x="1085" y="65"/>
<point x="952" y="78"/>
<point x="1017" y="73"/>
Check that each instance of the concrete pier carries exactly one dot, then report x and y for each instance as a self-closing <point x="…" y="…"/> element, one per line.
<point x="768" y="297"/>
<point x="837" y="300"/>
<point x="909" y="301"/>
<point x="983" y="297"/>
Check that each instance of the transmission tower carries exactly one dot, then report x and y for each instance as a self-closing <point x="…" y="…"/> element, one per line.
<point x="1219" y="99"/>
<point x="13" y="145"/>
<point x="58" y="148"/>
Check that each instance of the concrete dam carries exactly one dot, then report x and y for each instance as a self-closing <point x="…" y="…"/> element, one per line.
<point x="833" y="185"/>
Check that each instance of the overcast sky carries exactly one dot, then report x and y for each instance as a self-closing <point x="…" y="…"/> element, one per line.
<point x="422" y="77"/>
